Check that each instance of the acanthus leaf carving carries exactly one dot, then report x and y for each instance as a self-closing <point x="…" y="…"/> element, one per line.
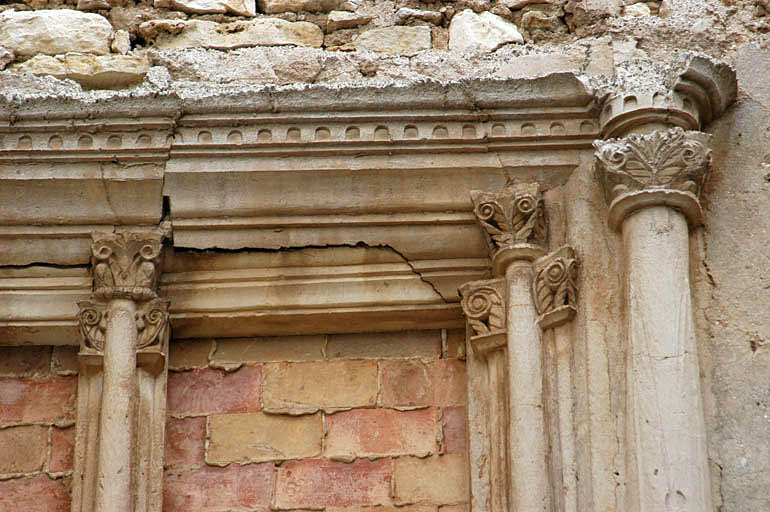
<point x="126" y="264"/>
<point x="672" y="159"/>
<point x="512" y="216"/>
<point x="555" y="286"/>
<point x="483" y="303"/>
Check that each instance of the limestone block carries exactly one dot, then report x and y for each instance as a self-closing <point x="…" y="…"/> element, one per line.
<point x="276" y="6"/>
<point x="178" y="34"/>
<point x="529" y="66"/>
<point x="406" y="14"/>
<point x="6" y="57"/>
<point x="90" y="71"/>
<point x="241" y="7"/>
<point x="260" y="437"/>
<point x="343" y="19"/>
<point x="54" y="32"/>
<point x="636" y="10"/>
<point x="121" y="43"/>
<point x="486" y="32"/>
<point x="396" y="40"/>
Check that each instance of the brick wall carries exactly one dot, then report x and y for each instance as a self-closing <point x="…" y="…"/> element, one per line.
<point x="335" y="422"/>
<point x="37" y="415"/>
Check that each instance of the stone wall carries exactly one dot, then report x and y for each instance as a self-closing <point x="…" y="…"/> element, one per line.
<point x="37" y="405"/>
<point x="306" y="422"/>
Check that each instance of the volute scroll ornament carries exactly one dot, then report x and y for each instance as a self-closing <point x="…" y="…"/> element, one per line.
<point x="555" y="287"/>
<point x="483" y="303"/>
<point x="662" y="167"/>
<point x="512" y="221"/>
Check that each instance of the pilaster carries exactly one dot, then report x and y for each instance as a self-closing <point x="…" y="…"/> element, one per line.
<point x="514" y="226"/>
<point x="122" y="386"/>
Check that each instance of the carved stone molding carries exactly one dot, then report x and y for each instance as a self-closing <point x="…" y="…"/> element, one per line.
<point x="483" y="303"/>
<point x="697" y="90"/>
<point x="151" y="323"/>
<point x="126" y="265"/>
<point x="555" y="287"/>
<point x="663" y="167"/>
<point x="513" y="223"/>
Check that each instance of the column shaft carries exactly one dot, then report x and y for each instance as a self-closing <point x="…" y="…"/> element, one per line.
<point x="498" y="424"/>
<point x="528" y="454"/>
<point x="666" y="427"/>
<point x="116" y="422"/>
<point x="566" y="411"/>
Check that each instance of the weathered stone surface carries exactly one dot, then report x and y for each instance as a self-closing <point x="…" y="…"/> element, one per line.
<point x="269" y="349"/>
<point x="344" y="19"/>
<point x="486" y="32"/>
<point x="121" y="43"/>
<point x="276" y="6"/>
<point x="211" y="489"/>
<point x="316" y="483"/>
<point x="399" y="344"/>
<point x="636" y="10"/>
<point x="211" y="391"/>
<point x="92" y="5"/>
<point x="185" y="442"/>
<point x="406" y="14"/>
<point x="177" y="34"/>
<point x="395" y="40"/>
<point x="54" y="32"/>
<point x="307" y="387"/>
<point x="90" y="71"/>
<point x="455" y="429"/>
<point x="438" y="479"/>
<point x="64" y="361"/>
<point x="241" y="7"/>
<point x="189" y="354"/>
<point x="263" y="437"/>
<point x="539" y="65"/>
<point x="6" y="57"/>
<point x="381" y="433"/>
<point x="24" y="361"/>
<point x="410" y="383"/>
<point x="38" y="493"/>
<point x="62" y="449"/>
<point x="26" y="400"/>
<point x="23" y="449"/>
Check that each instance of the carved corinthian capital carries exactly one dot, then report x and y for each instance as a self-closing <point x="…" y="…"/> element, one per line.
<point x="555" y="287"/>
<point x="513" y="222"/>
<point x="662" y="167"/>
<point x="126" y="264"/>
<point x="483" y="303"/>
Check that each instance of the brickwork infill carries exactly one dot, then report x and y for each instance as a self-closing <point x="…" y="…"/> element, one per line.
<point x="337" y="422"/>
<point x="38" y="390"/>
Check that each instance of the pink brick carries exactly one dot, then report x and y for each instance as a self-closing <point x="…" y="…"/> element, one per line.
<point x="314" y="483"/>
<point x="411" y="382"/>
<point x="62" y="448"/>
<point x="455" y="427"/>
<point x="382" y="432"/>
<point x="209" y="390"/>
<point x="27" y="400"/>
<point x="211" y="489"/>
<point x="36" y="494"/>
<point x="185" y="441"/>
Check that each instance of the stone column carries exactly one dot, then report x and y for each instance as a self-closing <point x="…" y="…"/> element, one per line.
<point x="555" y="291"/>
<point x="124" y="324"/>
<point x="514" y="226"/>
<point x="653" y="181"/>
